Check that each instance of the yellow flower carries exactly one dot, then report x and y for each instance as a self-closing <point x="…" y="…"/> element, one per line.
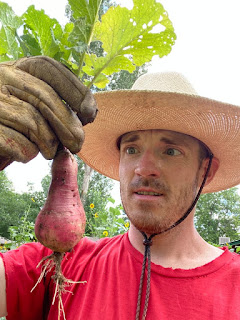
<point x="96" y="215"/>
<point x="105" y="233"/>
<point x="91" y="206"/>
<point x="127" y="225"/>
<point x="33" y="200"/>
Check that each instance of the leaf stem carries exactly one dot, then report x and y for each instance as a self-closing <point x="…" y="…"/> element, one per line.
<point x="79" y="70"/>
<point x="22" y="45"/>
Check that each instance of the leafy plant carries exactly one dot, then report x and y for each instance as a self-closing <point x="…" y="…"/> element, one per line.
<point x="13" y="205"/>
<point x="217" y="215"/>
<point x="22" y="233"/>
<point x="127" y="38"/>
<point x="107" y="223"/>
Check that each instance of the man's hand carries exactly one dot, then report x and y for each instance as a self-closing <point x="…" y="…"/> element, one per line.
<point x="42" y="103"/>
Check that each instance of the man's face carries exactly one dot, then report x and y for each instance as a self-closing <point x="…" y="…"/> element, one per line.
<point x="159" y="177"/>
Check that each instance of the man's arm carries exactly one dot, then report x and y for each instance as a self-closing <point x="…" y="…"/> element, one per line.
<point x="3" y="303"/>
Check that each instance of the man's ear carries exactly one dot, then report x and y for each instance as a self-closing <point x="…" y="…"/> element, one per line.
<point x="212" y="171"/>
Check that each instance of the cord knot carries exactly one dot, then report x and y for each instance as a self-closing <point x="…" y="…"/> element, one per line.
<point x="147" y="242"/>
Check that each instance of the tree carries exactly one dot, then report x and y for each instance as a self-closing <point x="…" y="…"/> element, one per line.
<point x="218" y="214"/>
<point x="14" y="206"/>
<point x="5" y="183"/>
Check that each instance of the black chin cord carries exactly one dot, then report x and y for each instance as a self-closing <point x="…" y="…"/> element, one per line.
<point x="147" y="254"/>
<point x="147" y="257"/>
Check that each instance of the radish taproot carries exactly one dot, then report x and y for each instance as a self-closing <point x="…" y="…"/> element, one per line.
<point x="61" y="223"/>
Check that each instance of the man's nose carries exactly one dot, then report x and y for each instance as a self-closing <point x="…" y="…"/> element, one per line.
<point x="147" y="165"/>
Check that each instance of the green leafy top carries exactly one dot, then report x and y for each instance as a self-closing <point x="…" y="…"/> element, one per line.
<point x="87" y="9"/>
<point x="125" y="38"/>
<point x="129" y="38"/>
<point x="10" y="23"/>
<point x="44" y="29"/>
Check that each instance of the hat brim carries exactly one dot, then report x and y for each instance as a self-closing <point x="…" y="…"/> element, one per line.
<point x="215" y="123"/>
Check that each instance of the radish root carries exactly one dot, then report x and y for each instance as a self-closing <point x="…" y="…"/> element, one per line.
<point x="60" y="224"/>
<point x="54" y="260"/>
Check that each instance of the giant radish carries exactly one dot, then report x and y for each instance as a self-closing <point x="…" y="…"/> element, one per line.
<point x="61" y="223"/>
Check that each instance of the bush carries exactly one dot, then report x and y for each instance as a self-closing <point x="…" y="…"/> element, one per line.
<point x="20" y="234"/>
<point x="107" y="223"/>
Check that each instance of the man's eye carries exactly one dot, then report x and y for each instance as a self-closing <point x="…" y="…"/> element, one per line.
<point x="131" y="150"/>
<point x="172" y="152"/>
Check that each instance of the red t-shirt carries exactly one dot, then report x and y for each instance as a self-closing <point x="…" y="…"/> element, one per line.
<point x="112" y="269"/>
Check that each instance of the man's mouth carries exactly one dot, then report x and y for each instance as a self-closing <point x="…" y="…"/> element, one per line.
<point x="148" y="193"/>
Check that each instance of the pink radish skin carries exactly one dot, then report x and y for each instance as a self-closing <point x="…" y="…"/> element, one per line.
<point x="61" y="223"/>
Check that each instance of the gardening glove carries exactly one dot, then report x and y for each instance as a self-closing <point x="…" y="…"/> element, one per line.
<point x="42" y="103"/>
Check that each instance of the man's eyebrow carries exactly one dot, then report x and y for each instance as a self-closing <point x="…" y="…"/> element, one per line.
<point x="131" y="138"/>
<point x="174" y="141"/>
<point x="168" y="141"/>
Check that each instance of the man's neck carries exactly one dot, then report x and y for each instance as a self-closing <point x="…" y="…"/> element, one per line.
<point x="182" y="247"/>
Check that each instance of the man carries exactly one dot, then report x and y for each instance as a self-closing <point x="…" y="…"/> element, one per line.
<point x="166" y="145"/>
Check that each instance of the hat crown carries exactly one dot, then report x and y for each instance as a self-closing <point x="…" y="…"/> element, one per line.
<point x="166" y="82"/>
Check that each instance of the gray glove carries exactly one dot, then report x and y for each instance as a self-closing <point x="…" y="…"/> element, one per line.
<point x="42" y="103"/>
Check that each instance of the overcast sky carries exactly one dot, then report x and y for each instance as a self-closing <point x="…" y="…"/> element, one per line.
<point x="207" y="52"/>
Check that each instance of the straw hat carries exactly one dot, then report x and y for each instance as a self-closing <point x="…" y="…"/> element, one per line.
<point x="164" y="101"/>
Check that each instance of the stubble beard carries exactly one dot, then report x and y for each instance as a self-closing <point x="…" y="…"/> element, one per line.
<point x="150" y="221"/>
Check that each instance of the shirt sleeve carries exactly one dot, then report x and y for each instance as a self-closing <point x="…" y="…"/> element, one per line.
<point x="21" y="276"/>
